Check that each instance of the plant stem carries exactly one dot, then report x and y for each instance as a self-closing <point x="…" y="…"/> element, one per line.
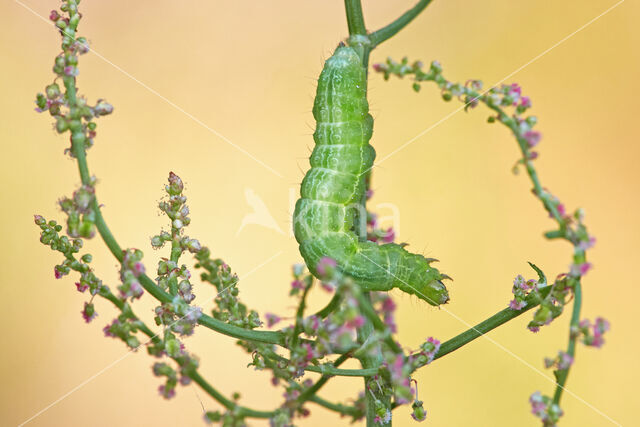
<point x="371" y="360"/>
<point x="330" y="307"/>
<point x="561" y="376"/>
<point x="392" y="29"/>
<point x="337" y="407"/>
<point x="309" y="392"/>
<point x="365" y="307"/>
<point x="269" y="337"/>
<point x="192" y="373"/>
<point x="355" y="19"/>
<point x="498" y="319"/>
<point x="299" y="316"/>
<point x="359" y="40"/>
<point x="229" y="404"/>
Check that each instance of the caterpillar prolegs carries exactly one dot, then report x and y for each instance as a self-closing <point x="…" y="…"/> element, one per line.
<point x="330" y="209"/>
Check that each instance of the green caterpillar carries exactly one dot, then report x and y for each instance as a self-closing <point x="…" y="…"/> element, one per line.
<point x="330" y="210"/>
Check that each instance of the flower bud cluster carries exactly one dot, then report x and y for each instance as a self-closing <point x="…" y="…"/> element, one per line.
<point x="69" y="248"/>
<point x="80" y="215"/>
<point x="130" y="269"/>
<point x="301" y="279"/>
<point x="178" y="316"/>
<point x="230" y="418"/>
<point x="591" y="334"/>
<point x="544" y="408"/>
<point x="521" y="290"/>
<point x="551" y="305"/>
<point x="71" y="112"/>
<point x="229" y="308"/>
<point x="561" y="362"/>
<point x="385" y="307"/>
<point x="376" y="233"/>
<point x="506" y="100"/>
<point x="125" y="328"/>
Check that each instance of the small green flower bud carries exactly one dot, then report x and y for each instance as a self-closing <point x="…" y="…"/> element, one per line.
<point x="102" y="108"/>
<point x="172" y="347"/>
<point x="70" y="59"/>
<point x="41" y="101"/>
<point x="447" y="96"/>
<point x="419" y="413"/>
<point x="133" y="342"/>
<point x="87" y="258"/>
<point x="75" y="125"/>
<point x="74" y="21"/>
<point x="53" y="91"/>
<point x="157" y="242"/>
<point x="39" y="220"/>
<point x="436" y="67"/>
<point x="60" y="23"/>
<point x="54" y="110"/>
<point x="92" y="125"/>
<point x="61" y="125"/>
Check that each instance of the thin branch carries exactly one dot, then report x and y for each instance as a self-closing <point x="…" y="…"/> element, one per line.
<point x="385" y="33"/>
<point x="561" y="376"/>
<point x="330" y="307"/>
<point x="192" y="373"/>
<point x="269" y="337"/>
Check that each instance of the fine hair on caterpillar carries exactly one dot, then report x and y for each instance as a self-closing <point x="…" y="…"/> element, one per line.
<point x="330" y="217"/>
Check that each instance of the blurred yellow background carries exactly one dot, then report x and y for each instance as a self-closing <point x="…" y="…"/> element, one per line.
<point x="247" y="70"/>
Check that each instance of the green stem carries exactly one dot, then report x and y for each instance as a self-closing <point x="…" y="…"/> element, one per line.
<point x="561" y="376"/>
<point x="371" y="360"/>
<point x="498" y="319"/>
<point x="337" y="407"/>
<point x="392" y="29"/>
<point x="229" y="404"/>
<point x="311" y="391"/>
<point x="365" y="307"/>
<point x="269" y="337"/>
<point x="192" y="373"/>
<point x="330" y="307"/>
<point x="299" y="316"/>
<point x="355" y="18"/>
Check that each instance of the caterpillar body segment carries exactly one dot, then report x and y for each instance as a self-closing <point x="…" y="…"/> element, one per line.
<point x="329" y="209"/>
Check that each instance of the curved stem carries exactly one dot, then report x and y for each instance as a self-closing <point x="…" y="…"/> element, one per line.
<point x="337" y="407"/>
<point x="561" y="376"/>
<point x="330" y="307"/>
<point x="229" y="404"/>
<point x="309" y="392"/>
<point x="192" y="373"/>
<point x="392" y="29"/>
<point x="498" y="319"/>
<point x="269" y="337"/>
